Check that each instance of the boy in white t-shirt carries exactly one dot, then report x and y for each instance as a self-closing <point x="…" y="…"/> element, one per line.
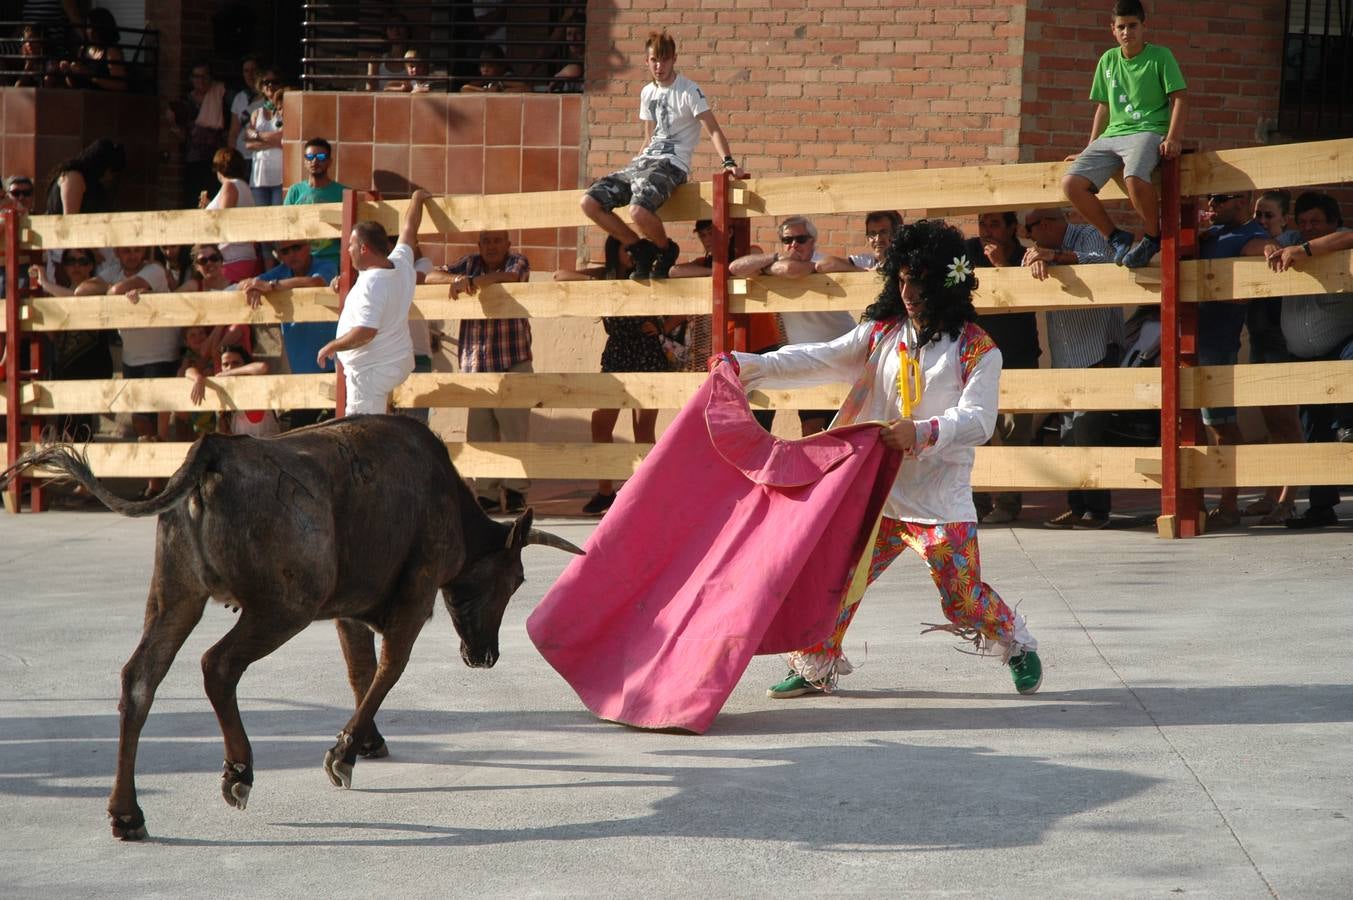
<point x="672" y="108"/>
<point x="373" y="328"/>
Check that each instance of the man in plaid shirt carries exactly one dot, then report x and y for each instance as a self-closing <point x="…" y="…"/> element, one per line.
<point x="493" y="345"/>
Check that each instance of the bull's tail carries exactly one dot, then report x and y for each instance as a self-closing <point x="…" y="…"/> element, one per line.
<point x="72" y="462"/>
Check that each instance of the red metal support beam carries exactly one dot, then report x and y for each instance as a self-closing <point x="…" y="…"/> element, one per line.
<point x="718" y="329"/>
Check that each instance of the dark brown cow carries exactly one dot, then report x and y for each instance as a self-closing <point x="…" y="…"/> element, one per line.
<point x="360" y="520"/>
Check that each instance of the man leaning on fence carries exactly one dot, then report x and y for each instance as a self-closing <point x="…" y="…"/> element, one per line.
<point x="1077" y="339"/>
<point x="493" y="345"/>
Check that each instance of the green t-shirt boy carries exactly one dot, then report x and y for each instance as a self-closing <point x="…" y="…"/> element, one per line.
<point x="1137" y="90"/>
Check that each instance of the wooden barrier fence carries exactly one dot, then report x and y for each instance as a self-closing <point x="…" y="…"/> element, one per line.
<point x="1179" y="469"/>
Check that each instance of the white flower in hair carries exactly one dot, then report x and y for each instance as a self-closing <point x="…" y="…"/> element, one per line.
<point x="959" y="270"/>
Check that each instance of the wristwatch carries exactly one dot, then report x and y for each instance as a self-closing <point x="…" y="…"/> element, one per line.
<point x="1306" y="245"/>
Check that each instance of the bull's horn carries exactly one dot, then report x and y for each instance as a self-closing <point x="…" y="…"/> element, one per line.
<point x="535" y="536"/>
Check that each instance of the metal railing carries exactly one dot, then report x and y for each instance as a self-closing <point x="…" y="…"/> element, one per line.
<point x="1316" y="96"/>
<point x="535" y="39"/>
<point x="51" y="58"/>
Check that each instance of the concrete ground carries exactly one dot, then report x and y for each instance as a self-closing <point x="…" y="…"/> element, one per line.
<point x="1194" y="736"/>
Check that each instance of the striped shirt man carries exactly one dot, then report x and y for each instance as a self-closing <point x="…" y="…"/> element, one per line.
<point x="1080" y="338"/>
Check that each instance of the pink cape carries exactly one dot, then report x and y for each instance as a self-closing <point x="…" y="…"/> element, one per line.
<point x="726" y="543"/>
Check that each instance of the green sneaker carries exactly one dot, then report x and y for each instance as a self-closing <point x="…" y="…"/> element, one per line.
<point x="794" y="685"/>
<point x="1027" y="670"/>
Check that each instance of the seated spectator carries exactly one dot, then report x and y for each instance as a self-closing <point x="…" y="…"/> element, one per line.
<point x="301" y="341"/>
<point x="232" y="360"/>
<point x="1317" y="327"/>
<point x="1077" y="339"/>
<point x="800" y="257"/>
<point x="633" y="344"/>
<point x="99" y="63"/>
<point x="386" y="70"/>
<point x="263" y="138"/>
<point x="493" y="345"/>
<point x="241" y="258"/>
<point x="495" y="75"/>
<point x="1016" y="336"/>
<point x="415" y="80"/>
<point x="38" y="70"/>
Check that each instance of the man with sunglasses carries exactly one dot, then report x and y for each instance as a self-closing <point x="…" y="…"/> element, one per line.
<point x="798" y="256"/>
<point x="1077" y="339"/>
<point x="301" y="341"/>
<point x="19" y="194"/>
<point x="318" y="187"/>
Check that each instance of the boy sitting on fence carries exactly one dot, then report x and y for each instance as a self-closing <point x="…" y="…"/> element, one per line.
<point x="1140" y="113"/>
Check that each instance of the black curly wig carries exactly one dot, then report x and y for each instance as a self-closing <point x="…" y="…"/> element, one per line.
<point x="926" y="249"/>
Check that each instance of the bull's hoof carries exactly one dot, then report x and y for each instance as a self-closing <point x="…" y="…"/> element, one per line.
<point x="236" y="782"/>
<point x="339" y="772"/>
<point x="339" y="759"/>
<point x="374" y="748"/>
<point x="130" y="827"/>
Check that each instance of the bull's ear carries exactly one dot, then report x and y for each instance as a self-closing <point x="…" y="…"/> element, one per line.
<point x="521" y="529"/>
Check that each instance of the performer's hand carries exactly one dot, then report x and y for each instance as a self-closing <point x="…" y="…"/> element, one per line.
<point x="899" y="435"/>
<point x="713" y="362"/>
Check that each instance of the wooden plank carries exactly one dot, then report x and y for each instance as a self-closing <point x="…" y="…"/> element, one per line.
<point x="1050" y="468"/>
<point x="568" y="299"/>
<point x="121" y="395"/>
<point x="153" y="228"/>
<point x="1261" y="168"/>
<point x="179" y="310"/>
<point x="1273" y="384"/>
<point x="940" y="192"/>
<point x="1266" y="465"/>
<point x="1251" y="278"/>
<point x="467" y="213"/>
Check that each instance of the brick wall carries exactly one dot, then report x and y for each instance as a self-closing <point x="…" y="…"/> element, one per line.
<point x="799" y="87"/>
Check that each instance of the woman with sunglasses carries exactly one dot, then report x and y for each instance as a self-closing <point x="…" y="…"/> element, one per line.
<point x="209" y="275"/>
<point x="76" y="354"/>
<point x="241" y="259"/>
<point x="920" y="363"/>
<point x="264" y="138"/>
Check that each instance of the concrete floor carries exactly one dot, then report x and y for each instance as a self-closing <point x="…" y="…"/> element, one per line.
<point x="1194" y="736"/>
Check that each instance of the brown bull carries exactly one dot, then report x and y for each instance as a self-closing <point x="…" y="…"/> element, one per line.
<point x="360" y="520"/>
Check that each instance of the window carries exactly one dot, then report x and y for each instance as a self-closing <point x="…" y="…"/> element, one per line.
<point x="1316" y="96"/>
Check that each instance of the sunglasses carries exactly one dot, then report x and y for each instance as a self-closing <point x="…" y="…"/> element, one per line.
<point x="77" y="261"/>
<point x="19" y="192"/>
<point x="321" y="156"/>
<point x="1029" y="225"/>
<point x="291" y="248"/>
<point x="207" y="258"/>
<point x="800" y="239"/>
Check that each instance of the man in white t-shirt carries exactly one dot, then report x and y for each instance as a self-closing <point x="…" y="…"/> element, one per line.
<point x="672" y="108"/>
<point x="798" y="257"/>
<point x="373" y="328"/>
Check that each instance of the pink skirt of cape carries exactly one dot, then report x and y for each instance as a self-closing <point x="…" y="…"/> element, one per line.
<point x="727" y="542"/>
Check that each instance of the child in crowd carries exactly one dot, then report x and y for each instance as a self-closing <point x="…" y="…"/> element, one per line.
<point x="1138" y="120"/>
<point x="232" y="360"/>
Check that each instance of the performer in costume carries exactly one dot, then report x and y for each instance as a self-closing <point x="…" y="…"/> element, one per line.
<point x="933" y="375"/>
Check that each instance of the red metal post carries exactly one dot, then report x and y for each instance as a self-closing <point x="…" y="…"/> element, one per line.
<point x="8" y="225"/>
<point x="347" y="274"/>
<point x="1178" y="353"/>
<point x="718" y="328"/>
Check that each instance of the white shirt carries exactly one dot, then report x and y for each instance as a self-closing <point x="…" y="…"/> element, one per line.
<point x="267" y="168"/>
<point x="420" y="330"/>
<point x="816" y="327"/>
<point x="141" y="346"/>
<point x="380" y="299"/>
<point x="242" y="109"/>
<point x="933" y="485"/>
<point x="243" y="197"/>
<point x="673" y="111"/>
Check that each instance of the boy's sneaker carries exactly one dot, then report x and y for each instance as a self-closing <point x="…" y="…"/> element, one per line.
<point x="794" y="685"/>
<point x="1027" y="670"/>
<point x="1141" y="254"/>
<point x="643" y="253"/>
<point x="1120" y="242"/>
<point x="667" y="258"/>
